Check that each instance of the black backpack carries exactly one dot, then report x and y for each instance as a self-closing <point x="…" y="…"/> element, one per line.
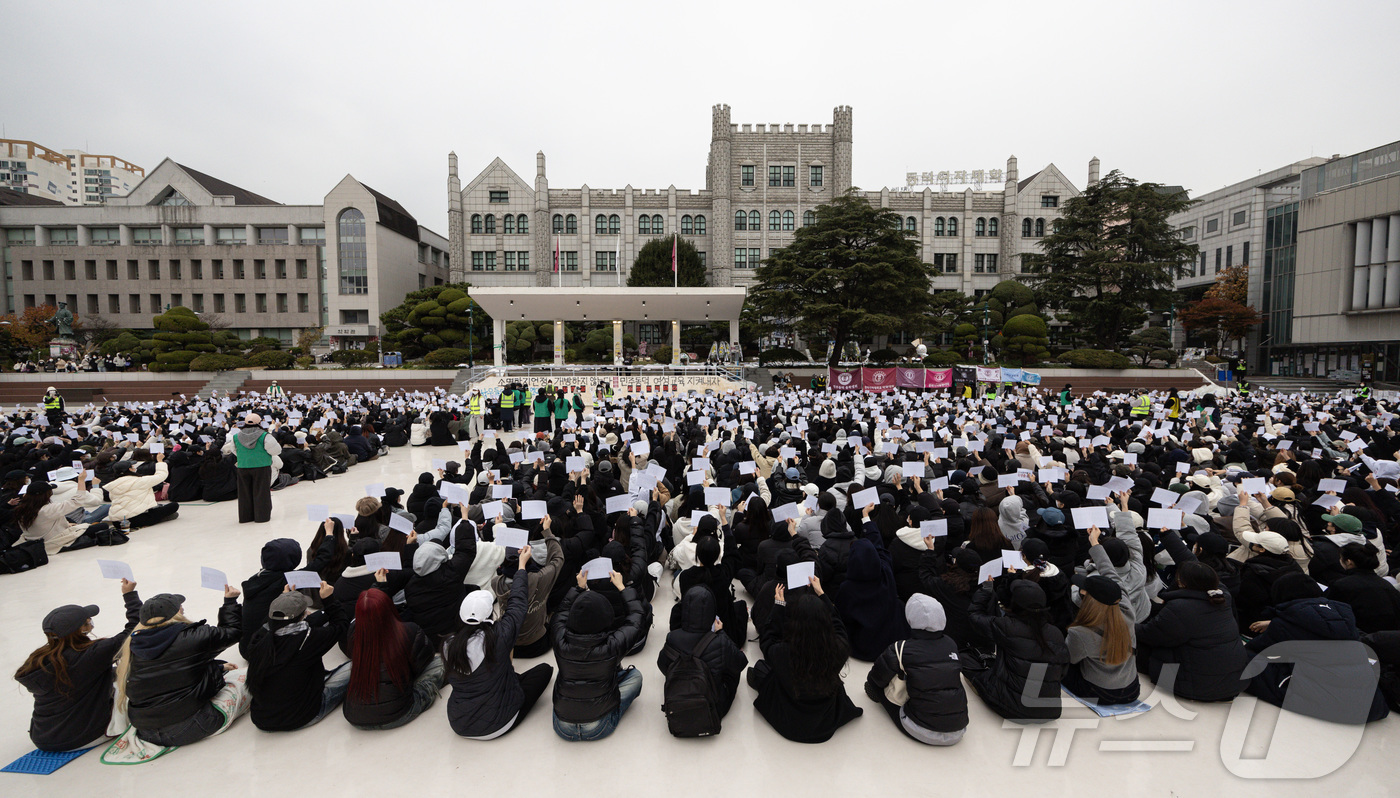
<point x="690" y="697"/>
<point x="23" y="556"/>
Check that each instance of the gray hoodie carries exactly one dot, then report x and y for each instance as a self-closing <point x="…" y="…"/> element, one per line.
<point x="1132" y="576"/>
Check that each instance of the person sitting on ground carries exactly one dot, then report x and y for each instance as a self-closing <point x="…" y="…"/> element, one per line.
<point x="1192" y="645"/>
<point x="70" y="676"/>
<point x="934" y="711"/>
<point x="724" y="660"/>
<point x="394" y="674"/>
<point x="1022" y="683"/>
<point x="489" y="698"/>
<point x="592" y="693"/>
<point x="1102" y="666"/>
<point x="290" y="686"/>
<point x="133" y="497"/>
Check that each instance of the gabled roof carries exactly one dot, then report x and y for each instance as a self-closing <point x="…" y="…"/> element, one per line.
<point x="219" y="188"/>
<point x="497" y="166"/>
<point x="1028" y="180"/>
<point x="11" y="197"/>
<point x="394" y="216"/>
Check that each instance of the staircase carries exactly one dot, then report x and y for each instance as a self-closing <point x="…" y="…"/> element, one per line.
<point x="225" y="382"/>
<point x="761" y="378"/>
<point x="467" y="376"/>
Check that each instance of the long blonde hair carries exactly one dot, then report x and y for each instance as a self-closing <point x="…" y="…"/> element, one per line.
<point x="124" y="658"/>
<point x="1108" y="619"/>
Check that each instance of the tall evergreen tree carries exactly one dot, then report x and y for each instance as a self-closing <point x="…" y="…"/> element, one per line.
<point x="1112" y="256"/>
<point x="854" y="272"/>
<point x="653" y="265"/>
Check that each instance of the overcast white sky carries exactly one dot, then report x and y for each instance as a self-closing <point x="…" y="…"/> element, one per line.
<point x="284" y="98"/>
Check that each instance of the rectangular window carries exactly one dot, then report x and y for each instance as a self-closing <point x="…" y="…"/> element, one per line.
<point x="478" y="261"/>
<point x="231" y="235"/>
<point x="789" y="176"/>
<point x="259" y="269"/>
<point x="1188" y="233"/>
<point x="754" y="257"/>
<point x="104" y="236"/>
<point x="70" y="271"/>
<point x="238" y="273"/>
<point x="814" y="175"/>
<point x="1212" y="225"/>
<point x="741" y="258"/>
<point x="218" y="266"/>
<point x="197" y="303"/>
<point x="1229" y="256"/>
<point x="946" y="263"/>
<point x="145" y="235"/>
<point x="90" y="270"/>
<point x="1203" y="266"/>
<point x="279" y="268"/>
<point x="219" y="303"/>
<point x="1049" y="201"/>
<point x="177" y="300"/>
<point x="281" y="303"/>
<point x="189" y="235"/>
<point x="92" y="305"/>
<point x="1217" y="260"/>
<point x="175" y="273"/>
<point x="65" y="236"/>
<point x="26" y="269"/>
<point x="1244" y="254"/>
<point x="702" y="259"/>
<point x="153" y="269"/>
<point x="240" y="303"/>
<point x="500" y="196"/>
<point x="1239" y="218"/>
<point x="155" y="303"/>
<point x="354" y="317"/>
<point x="303" y="303"/>
<point x="196" y="270"/>
<point x="133" y="270"/>
<point x="112" y="270"/>
<point x="114" y="303"/>
<point x="508" y="261"/>
<point x="313" y="235"/>
<point x="605" y="261"/>
<point x="133" y="303"/>
<point x="979" y="263"/>
<point x="746" y="175"/>
<point x="775" y="176"/>
<point x="570" y="261"/>
<point x="490" y="261"/>
<point x="272" y="236"/>
<point x="522" y="261"/>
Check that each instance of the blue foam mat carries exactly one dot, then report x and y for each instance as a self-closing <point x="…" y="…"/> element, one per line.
<point x="43" y="763"/>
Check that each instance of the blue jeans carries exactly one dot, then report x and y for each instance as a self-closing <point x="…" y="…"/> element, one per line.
<point x="337" y="685"/>
<point x="630" y="686"/>
<point x="97" y="515"/>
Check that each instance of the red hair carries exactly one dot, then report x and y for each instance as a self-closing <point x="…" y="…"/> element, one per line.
<point x="380" y="645"/>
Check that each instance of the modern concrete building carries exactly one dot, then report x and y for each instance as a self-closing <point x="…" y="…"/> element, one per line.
<point x="1229" y="226"/>
<point x="182" y="237"/>
<point x="762" y="182"/>
<point x="72" y="177"/>
<point x="1332" y="271"/>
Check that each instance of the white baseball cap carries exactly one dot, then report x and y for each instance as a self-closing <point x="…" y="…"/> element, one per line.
<point x="477" y="606"/>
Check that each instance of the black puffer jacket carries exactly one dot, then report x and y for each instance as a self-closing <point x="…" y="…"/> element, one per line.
<point x="1257" y="577"/>
<point x="835" y="552"/>
<point x="488" y="698"/>
<point x="434" y="597"/>
<point x="173" y="668"/>
<point x="1201" y="638"/>
<point x="588" y="654"/>
<point x="278" y="557"/>
<point x="185" y="485"/>
<point x="1019" y="657"/>
<point x="937" y="700"/>
<point x="723" y="659"/>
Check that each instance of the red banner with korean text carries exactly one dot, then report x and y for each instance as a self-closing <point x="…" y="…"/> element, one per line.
<point x="908" y="378"/>
<point x="877" y="380"/>
<point x="843" y="379"/>
<point x="938" y="378"/>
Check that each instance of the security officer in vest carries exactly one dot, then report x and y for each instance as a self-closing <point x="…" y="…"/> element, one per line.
<point x="1142" y="408"/>
<point x="1363" y="393"/>
<point x="53" y="406"/>
<point x="474" y="418"/>
<point x="1244" y="387"/>
<point x="256" y="452"/>
<point x="506" y="408"/>
<point x="522" y="405"/>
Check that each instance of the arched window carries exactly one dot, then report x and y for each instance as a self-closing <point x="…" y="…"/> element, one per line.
<point x="809" y="218"/>
<point x="600" y="224"/>
<point x="644" y="224"/>
<point x="952" y="225"/>
<point x="658" y="226"/>
<point x="570" y="224"/>
<point x="508" y="224"/>
<point x="755" y="221"/>
<point x="911" y="224"/>
<point x="992" y="226"/>
<point x="1039" y="228"/>
<point x="775" y="220"/>
<point x="490" y="222"/>
<point x="1026" y="227"/>
<point x="789" y="220"/>
<point x="741" y="220"/>
<point x="558" y="222"/>
<point x="522" y="224"/>
<point x="614" y="225"/>
<point x="981" y="228"/>
<point x="687" y="225"/>
<point x="938" y="226"/>
<point x="352" y="258"/>
<point x="476" y="223"/>
<point x="699" y="225"/>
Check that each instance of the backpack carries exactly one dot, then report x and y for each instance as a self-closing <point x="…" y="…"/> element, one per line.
<point x="23" y="556"/>
<point x="690" y="697"/>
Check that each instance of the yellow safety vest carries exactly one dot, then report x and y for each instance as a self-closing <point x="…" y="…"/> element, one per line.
<point x="507" y="400"/>
<point x="1143" y="406"/>
<point x="51" y="402"/>
<point x="475" y="405"/>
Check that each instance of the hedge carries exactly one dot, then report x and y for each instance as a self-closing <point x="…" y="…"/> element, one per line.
<point x="780" y="354"/>
<point x="1095" y="359"/>
<point x="884" y="356"/>
<point x="941" y="358"/>
<point x="661" y="354"/>
<point x="216" y="362"/>
<point x="354" y="357"/>
<point x="272" y="359"/>
<point x="449" y="356"/>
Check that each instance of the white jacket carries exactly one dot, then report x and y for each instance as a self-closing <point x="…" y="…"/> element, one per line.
<point x="132" y="495"/>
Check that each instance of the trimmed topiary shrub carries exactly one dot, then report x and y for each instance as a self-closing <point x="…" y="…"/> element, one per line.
<point x="448" y="356"/>
<point x="272" y="359"/>
<point x="354" y="357"/>
<point x="305" y="361"/>
<point x="216" y="362"/>
<point x="1095" y="359"/>
<point x="661" y="354"/>
<point x="938" y="358"/>
<point x="884" y="356"/>
<point x="778" y="354"/>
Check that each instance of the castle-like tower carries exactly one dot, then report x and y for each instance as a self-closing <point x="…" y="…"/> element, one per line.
<point x="719" y="177"/>
<point x="456" y="235"/>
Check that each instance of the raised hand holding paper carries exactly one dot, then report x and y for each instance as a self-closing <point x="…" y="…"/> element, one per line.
<point x="598" y="568"/>
<point x="116" y="569"/>
<point x="798" y="574"/>
<point x="317" y="512"/>
<point x="513" y="538"/>
<point x="212" y="578"/>
<point x="385" y="560"/>
<point x="532" y="510"/>
<point x="618" y="504"/>
<point x="937" y="528"/>
<point x="1162" y="518"/>
<point x="301" y="580"/>
<point x="1085" y="517"/>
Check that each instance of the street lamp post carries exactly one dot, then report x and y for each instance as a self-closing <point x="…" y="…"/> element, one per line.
<point x="986" y="341"/>
<point x="471" y="341"/>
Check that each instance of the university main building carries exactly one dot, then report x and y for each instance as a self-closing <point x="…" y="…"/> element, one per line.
<point x="762" y="182"/>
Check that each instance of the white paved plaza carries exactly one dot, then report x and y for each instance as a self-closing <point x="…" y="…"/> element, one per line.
<point x="1140" y="755"/>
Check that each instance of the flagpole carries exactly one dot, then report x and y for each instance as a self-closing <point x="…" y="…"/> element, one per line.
<point x="618" y="265"/>
<point x="675" y="268"/>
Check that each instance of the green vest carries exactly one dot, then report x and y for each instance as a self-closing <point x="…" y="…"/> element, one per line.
<point x="251" y="457"/>
<point x="52" y="402"/>
<point x="541" y="408"/>
<point x="1363" y="392"/>
<point x="561" y="407"/>
<point x="1244" y="386"/>
<point x="1065" y="397"/>
<point x="508" y="400"/>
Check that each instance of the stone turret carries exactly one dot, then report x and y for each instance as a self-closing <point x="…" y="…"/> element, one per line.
<point x="1010" y="222"/>
<point x="456" y="233"/>
<point x="543" y="254"/>
<point x="719" y="176"/>
<point x="1094" y="170"/>
<point x="841" y="143"/>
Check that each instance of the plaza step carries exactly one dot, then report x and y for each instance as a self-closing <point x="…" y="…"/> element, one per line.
<point x="225" y="382"/>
